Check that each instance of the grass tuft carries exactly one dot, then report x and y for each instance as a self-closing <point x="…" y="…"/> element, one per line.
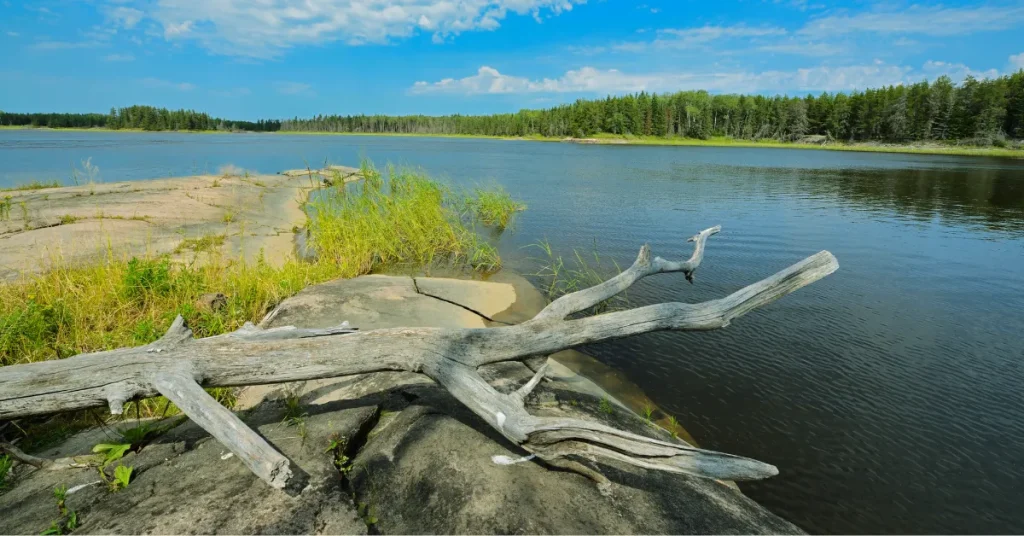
<point x="559" y="277"/>
<point x="494" y="206"/>
<point x="34" y="185"/>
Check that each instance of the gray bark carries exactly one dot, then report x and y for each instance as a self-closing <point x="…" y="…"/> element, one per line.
<point x="178" y="365"/>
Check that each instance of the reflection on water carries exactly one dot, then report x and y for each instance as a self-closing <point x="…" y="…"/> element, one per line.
<point x="888" y="394"/>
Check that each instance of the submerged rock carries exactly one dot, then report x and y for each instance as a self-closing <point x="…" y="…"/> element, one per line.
<point x="388" y="452"/>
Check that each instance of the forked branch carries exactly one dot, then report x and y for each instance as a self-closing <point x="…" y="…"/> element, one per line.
<point x="178" y="366"/>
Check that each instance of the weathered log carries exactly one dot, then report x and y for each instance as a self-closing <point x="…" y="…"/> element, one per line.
<point x="178" y="365"/>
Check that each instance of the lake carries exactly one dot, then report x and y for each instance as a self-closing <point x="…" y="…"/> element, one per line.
<point x="888" y="394"/>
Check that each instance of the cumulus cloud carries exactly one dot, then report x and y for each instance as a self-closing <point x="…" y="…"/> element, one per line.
<point x="1017" y="61"/>
<point x="157" y="83"/>
<point x="488" y="80"/>
<point x="918" y="19"/>
<point x="126" y="17"/>
<point x="956" y="71"/>
<point x="266" y="28"/>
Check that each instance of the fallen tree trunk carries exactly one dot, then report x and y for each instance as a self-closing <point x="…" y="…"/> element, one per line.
<point x="177" y="366"/>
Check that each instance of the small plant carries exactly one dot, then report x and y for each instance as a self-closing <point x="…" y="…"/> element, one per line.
<point x="216" y="183"/>
<point x="648" y="411"/>
<point x="68" y="520"/>
<point x="111" y="452"/>
<point x="341" y="461"/>
<point x="674" y="426"/>
<point x="605" y="406"/>
<point x="147" y="277"/>
<point x="5" y="468"/>
<point x="122" y="476"/>
<point x="559" y="277"/>
<point x="68" y="218"/>
<point x="229" y="216"/>
<point x="24" y="212"/>
<point x="294" y="416"/>
<point x="5" y="208"/>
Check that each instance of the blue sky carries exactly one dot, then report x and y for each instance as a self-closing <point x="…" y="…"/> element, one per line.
<point x="250" y="59"/>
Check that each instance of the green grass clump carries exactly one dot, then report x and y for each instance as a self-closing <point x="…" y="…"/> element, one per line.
<point x="5" y="468"/>
<point x="202" y="244"/>
<point x="34" y="185"/>
<point x="494" y="206"/>
<point x="405" y="218"/>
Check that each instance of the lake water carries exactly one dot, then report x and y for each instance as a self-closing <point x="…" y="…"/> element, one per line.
<point x="888" y="394"/>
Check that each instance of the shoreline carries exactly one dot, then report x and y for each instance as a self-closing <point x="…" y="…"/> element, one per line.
<point x="866" y="147"/>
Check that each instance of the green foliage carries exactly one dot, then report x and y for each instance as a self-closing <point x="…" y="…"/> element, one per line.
<point x="605" y="406"/>
<point x="5" y="468"/>
<point x="122" y="476"/>
<point x="145" y="278"/>
<point x="5" y="208"/>
<point x="673" y="426"/>
<point x="202" y="244"/>
<point x="337" y="448"/>
<point x="111" y="452"/>
<point x="648" y="411"/>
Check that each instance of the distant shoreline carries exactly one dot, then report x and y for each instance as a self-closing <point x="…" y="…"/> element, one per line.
<point x="604" y="139"/>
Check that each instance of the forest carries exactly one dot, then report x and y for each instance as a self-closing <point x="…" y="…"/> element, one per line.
<point x="979" y="112"/>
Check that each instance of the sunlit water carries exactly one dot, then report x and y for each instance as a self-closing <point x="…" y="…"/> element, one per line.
<point x="888" y="394"/>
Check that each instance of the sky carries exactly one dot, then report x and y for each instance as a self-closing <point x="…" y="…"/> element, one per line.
<point x="251" y="59"/>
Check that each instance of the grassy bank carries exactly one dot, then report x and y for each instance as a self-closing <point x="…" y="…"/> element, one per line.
<point x="398" y="218"/>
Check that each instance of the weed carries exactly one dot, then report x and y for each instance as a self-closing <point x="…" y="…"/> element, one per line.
<point x="34" y="185"/>
<point x="295" y="416"/>
<point x="5" y="208"/>
<point x="122" y="476"/>
<point x="111" y="452"/>
<point x="202" y="244"/>
<point x="229" y="216"/>
<point x="60" y="493"/>
<point x="216" y="183"/>
<point x="24" y="212"/>
<point x="145" y="278"/>
<point x="68" y="218"/>
<point x="673" y="426"/>
<point x="559" y="278"/>
<point x="337" y="447"/>
<point x="605" y="406"/>
<point x="648" y="411"/>
<point x="5" y="468"/>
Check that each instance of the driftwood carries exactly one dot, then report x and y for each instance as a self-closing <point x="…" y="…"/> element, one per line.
<point x="178" y="366"/>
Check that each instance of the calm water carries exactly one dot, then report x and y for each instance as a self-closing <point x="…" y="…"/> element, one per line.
<point x="889" y="394"/>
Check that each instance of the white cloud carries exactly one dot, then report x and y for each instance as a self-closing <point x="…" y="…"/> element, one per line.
<point x="803" y="49"/>
<point x="294" y="88"/>
<point x="917" y="19"/>
<point x="157" y="83"/>
<point x="265" y="28"/>
<point x="127" y="17"/>
<point x="119" y="57"/>
<point x="1017" y="61"/>
<point x="64" y="45"/>
<point x="12" y="34"/>
<point x="488" y="80"/>
<point x="956" y="71"/>
<point x="688" y="38"/>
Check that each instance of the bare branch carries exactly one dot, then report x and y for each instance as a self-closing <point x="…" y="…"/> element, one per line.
<point x="176" y="364"/>
<point x="642" y="267"/>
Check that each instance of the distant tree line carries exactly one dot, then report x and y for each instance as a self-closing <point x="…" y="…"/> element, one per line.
<point x="138" y="117"/>
<point x="982" y="111"/>
<point x="975" y="111"/>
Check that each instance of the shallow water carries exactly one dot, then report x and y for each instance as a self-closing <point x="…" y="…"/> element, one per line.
<point x="888" y="394"/>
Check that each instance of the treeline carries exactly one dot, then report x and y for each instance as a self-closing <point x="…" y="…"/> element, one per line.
<point x="981" y="112"/>
<point x="138" y="117"/>
<point x="977" y="111"/>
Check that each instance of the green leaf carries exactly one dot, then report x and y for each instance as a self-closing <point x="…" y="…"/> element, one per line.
<point x="113" y="451"/>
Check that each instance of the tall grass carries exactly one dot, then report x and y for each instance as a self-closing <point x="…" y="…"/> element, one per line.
<point x="582" y="270"/>
<point x="405" y="218"/>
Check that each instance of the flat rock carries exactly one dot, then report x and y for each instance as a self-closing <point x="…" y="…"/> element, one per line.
<point x="482" y="297"/>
